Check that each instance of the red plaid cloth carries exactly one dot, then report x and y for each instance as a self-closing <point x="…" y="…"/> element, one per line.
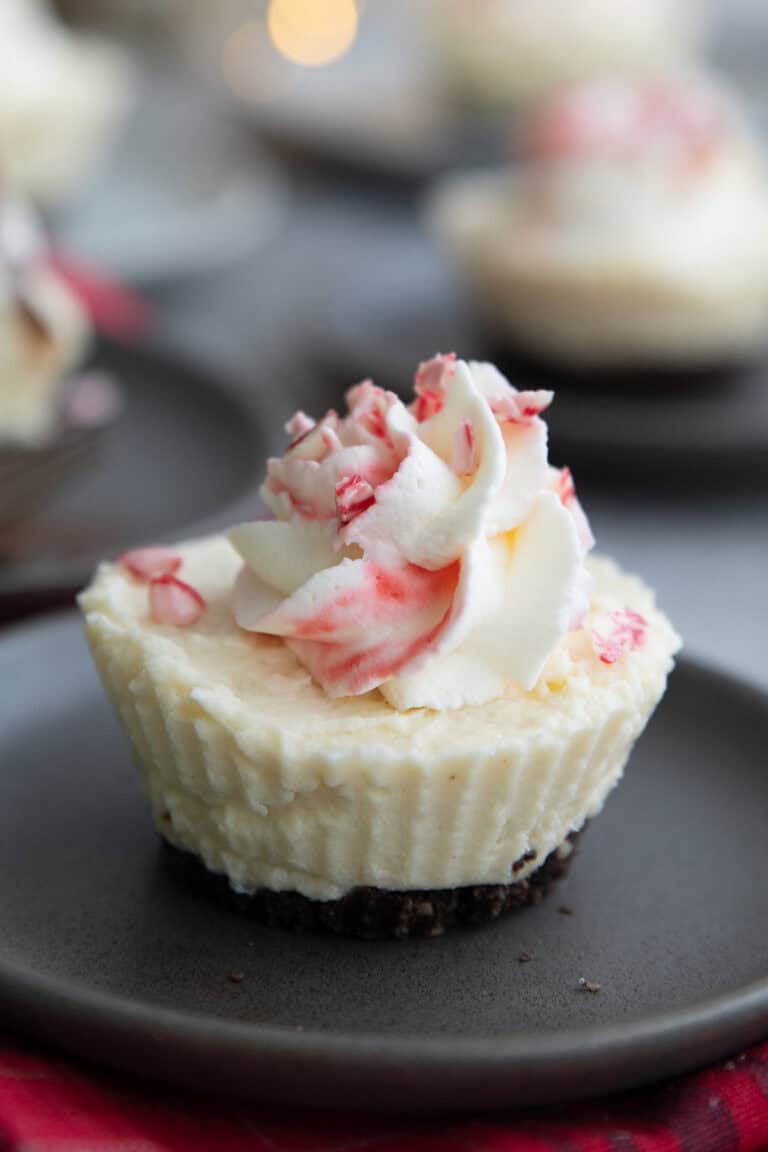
<point x="52" y="1107"/>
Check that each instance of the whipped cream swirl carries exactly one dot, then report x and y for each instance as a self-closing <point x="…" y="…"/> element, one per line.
<point x="613" y="159"/>
<point x="428" y="550"/>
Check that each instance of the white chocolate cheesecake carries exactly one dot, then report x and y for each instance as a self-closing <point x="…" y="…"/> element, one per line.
<point x="633" y="233"/>
<point x="503" y="54"/>
<point x="354" y="733"/>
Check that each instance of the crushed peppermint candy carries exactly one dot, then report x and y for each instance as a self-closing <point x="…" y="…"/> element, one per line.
<point x="464" y="456"/>
<point x="679" y="125"/>
<point x="616" y="633"/>
<point x="368" y="406"/>
<point x="521" y="407"/>
<point x="429" y="402"/>
<point x="353" y="496"/>
<point x="396" y="509"/>
<point x="172" y="601"/>
<point x="149" y="563"/>
<point x="434" y="375"/>
<point x="298" y="427"/>
<point x="566" y="488"/>
<point x="299" y="423"/>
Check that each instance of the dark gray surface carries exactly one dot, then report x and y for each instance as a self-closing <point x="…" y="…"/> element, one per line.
<point x="183" y="449"/>
<point x="105" y="953"/>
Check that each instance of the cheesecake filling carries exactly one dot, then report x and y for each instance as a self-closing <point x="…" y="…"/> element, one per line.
<point x="249" y="764"/>
<point x="427" y="550"/>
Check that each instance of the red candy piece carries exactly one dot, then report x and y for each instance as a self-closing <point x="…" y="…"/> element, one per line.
<point x="299" y="427"/>
<point x="299" y="424"/>
<point x="433" y="375"/>
<point x="521" y="407"/>
<point x="353" y="496"/>
<point x="150" y="563"/>
<point x="173" y="602"/>
<point x="464" y="456"/>
<point x="682" y="125"/>
<point x="428" y="403"/>
<point x="368" y="407"/>
<point x="566" y="487"/>
<point x="619" y="632"/>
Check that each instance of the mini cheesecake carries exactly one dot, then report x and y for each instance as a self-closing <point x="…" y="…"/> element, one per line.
<point x="633" y="235"/>
<point x="504" y="54"/>
<point x="338" y="737"/>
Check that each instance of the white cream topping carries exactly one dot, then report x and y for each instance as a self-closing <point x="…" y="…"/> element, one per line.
<point x="429" y="551"/>
<point x="664" y="169"/>
<point x="251" y="765"/>
<point x="61" y="95"/>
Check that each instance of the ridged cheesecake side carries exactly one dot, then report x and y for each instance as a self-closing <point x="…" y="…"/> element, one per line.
<point x="249" y="766"/>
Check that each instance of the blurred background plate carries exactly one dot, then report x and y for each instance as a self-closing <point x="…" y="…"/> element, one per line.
<point x="181" y="193"/>
<point x="383" y="108"/>
<point x="377" y="110"/>
<point x="184" y="453"/>
<point x="384" y="326"/>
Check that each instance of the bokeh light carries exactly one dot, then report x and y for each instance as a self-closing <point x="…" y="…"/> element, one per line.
<point x="312" y="32"/>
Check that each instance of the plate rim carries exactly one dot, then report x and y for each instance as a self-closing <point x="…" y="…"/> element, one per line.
<point x="673" y="1041"/>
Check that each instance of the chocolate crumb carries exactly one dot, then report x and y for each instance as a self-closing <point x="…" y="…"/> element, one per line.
<point x="236" y="977"/>
<point x="565" y="910"/>
<point x="165" y="816"/>
<point x="524" y="958"/>
<point x="526" y="858"/>
<point x="376" y="913"/>
<point x="589" y="986"/>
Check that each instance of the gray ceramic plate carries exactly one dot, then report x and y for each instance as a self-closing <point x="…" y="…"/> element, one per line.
<point x="182" y="450"/>
<point x="104" y="952"/>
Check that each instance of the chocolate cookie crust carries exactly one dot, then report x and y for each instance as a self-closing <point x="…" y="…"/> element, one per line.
<point x="378" y="913"/>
